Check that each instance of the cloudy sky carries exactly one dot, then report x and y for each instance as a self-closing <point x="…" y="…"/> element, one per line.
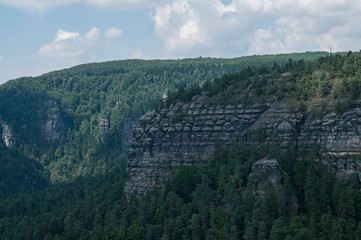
<point x="39" y="36"/>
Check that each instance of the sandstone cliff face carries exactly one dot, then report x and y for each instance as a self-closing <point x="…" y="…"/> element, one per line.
<point x="265" y="172"/>
<point x="270" y="170"/>
<point x="7" y="136"/>
<point x="128" y="125"/>
<point x="338" y="134"/>
<point x="164" y="140"/>
<point x="103" y="128"/>
<point x="340" y="138"/>
<point x="54" y="126"/>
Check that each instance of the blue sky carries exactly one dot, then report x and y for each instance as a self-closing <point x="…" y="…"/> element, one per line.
<point x="39" y="36"/>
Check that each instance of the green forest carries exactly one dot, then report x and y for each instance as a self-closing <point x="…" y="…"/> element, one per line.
<point x="331" y="77"/>
<point x="215" y="199"/>
<point x="73" y="188"/>
<point x="111" y="90"/>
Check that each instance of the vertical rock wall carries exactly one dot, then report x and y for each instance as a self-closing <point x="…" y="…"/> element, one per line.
<point x="7" y="136"/>
<point x="128" y="124"/>
<point x="54" y="126"/>
<point x="103" y="128"/>
<point x="164" y="140"/>
<point x="178" y="135"/>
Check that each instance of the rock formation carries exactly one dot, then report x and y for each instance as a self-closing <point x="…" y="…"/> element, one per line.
<point x="54" y="126"/>
<point x="165" y="139"/>
<point x="265" y="172"/>
<point x="128" y="124"/>
<point x="7" y="136"/>
<point x="103" y="128"/>
<point x="269" y="169"/>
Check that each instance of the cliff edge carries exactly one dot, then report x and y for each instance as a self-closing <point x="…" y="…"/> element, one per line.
<point x="182" y="132"/>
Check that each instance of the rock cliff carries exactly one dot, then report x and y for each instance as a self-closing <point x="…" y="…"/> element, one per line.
<point x="128" y="125"/>
<point x="269" y="169"/>
<point x="103" y="128"/>
<point x="265" y="172"/>
<point x="54" y="127"/>
<point x="7" y="136"/>
<point x="178" y="135"/>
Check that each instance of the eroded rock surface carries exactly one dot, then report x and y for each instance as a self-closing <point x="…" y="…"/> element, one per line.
<point x="54" y="125"/>
<point x="103" y="128"/>
<point x="175" y="136"/>
<point x="336" y="134"/>
<point x="269" y="169"/>
<point x="7" y="136"/>
<point x="128" y="124"/>
<point x="164" y="140"/>
<point x="265" y="173"/>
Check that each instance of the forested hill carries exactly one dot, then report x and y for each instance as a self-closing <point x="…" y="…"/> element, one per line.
<point x="250" y="191"/>
<point x="69" y="123"/>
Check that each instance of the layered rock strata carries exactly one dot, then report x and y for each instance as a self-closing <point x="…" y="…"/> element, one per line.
<point x="336" y="134"/>
<point x="339" y="138"/>
<point x="178" y="135"/>
<point x="164" y="140"/>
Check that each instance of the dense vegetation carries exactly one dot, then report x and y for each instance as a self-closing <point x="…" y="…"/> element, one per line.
<point x="19" y="174"/>
<point x="112" y="90"/>
<point x="335" y="79"/>
<point x="216" y="199"/>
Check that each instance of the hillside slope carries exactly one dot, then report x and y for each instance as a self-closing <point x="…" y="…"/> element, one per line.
<point x="76" y="122"/>
<point x="262" y="188"/>
<point x="302" y="106"/>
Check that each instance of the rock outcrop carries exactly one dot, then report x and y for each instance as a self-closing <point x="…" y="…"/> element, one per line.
<point x="54" y="126"/>
<point x="265" y="173"/>
<point x="128" y="124"/>
<point x="7" y="136"/>
<point x="270" y="170"/>
<point x="103" y="128"/>
<point x="165" y="139"/>
<point x="336" y="134"/>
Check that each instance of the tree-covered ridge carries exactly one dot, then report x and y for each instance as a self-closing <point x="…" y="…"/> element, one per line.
<point x="334" y="78"/>
<point x="111" y="90"/>
<point x="216" y="199"/>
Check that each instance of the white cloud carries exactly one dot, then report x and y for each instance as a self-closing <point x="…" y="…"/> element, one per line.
<point x="93" y="34"/>
<point x="191" y="27"/>
<point x="222" y="28"/>
<point x="71" y="45"/>
<point x="126" y="4"/>
<point x="63" y="35"/>
<point x="41" y="5"/>
<point x="137" y="54"/>
<point x="113" y="33"/>
<point x="310" y="25"/>
<point x="36" y="5"/>
<point x="1" y="58"/>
